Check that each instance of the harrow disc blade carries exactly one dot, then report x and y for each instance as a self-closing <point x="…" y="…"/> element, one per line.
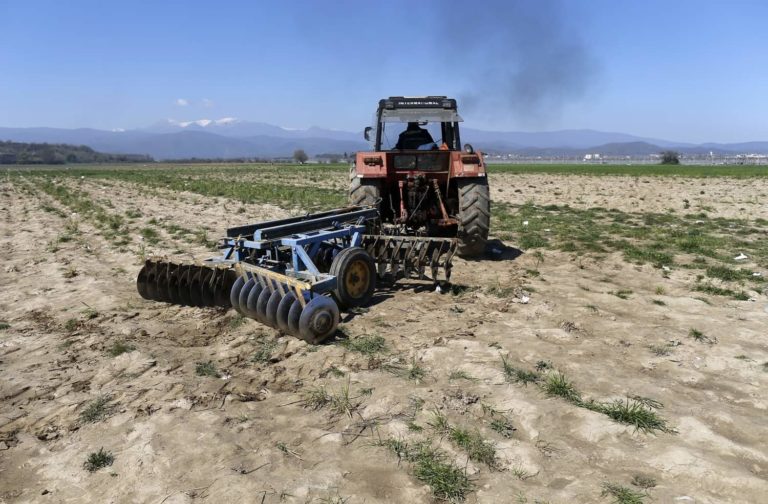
<point x="184" y="285"/>
<point x="234" y="294"/>
<point x="224" y="281"/>
<point x="162" y="282"/>
<point x="253" y="297"/>
<point x="151" y="282"/>
<point x="411" y="254"/>
<point x="174" y="295"/>
<point x="207" y="294"/>
<point x="195" y="286"/>
<point x="142" y="280"/>
<point x="261" y="306"/>
<point x="271" y="309"/>
<point x="318" y="320"/>
<point x="294" y="314"/>
<point x="282" y="311"/>
<point x="244" y="292"/>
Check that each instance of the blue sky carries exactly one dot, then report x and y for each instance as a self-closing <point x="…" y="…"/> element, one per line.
<point x="682" y="70"/>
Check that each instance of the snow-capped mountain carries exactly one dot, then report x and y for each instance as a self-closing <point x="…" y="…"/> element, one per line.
<point x="238" y="128"/>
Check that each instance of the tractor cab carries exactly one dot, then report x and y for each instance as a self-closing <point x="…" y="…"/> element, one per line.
<point x="400" y="122"/>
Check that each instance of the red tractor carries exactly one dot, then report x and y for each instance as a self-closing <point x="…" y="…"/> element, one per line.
<point x="419" y="177"/>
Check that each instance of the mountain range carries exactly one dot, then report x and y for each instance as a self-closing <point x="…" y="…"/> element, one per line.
<point x="232" y="138"/>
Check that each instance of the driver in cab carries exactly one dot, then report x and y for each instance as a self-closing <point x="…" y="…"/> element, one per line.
<point x="413" y="137"/>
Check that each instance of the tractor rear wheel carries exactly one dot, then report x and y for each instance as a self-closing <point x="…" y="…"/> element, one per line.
<point x="474" y="216"/>
<point x="363" y="191"/>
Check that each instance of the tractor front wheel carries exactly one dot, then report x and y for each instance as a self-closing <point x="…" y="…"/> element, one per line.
<point x="474" y="216"/>
<point x="363" y="191"/>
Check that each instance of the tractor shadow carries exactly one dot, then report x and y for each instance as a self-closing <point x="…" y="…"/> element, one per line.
<point x="497" y="250"/>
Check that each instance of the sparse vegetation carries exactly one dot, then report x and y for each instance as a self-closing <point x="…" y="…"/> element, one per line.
<point x="476" y="447"/>
<point x="264" y="349"/>
<point x="556" y="384"/>
<point x="96" y="410"/>
<point x="98" y="460"/>
<point x="432" y="467"/>
<point x="461" y="375"/>
<point x="207" y="369"/>
<point x="700" y="336"/>
<point x="513" y="374"/>
<point x="661" y="350"/>
<point x="503" y="426"/>
<point x="119" y="348"/>
<point x="366" y="345"/>
<point x="621" y="494"/>
<point x="339" y="402"/>
<point x="644" y="482"/>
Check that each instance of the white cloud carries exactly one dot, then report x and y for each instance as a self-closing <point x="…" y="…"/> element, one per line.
<point x="207" y="103"/>
<point x="181" y="102"/>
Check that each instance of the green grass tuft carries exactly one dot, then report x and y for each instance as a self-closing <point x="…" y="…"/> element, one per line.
<point x="635" y="413"/>
<point x="461" y="375"/>
<point x="119" y="348"/>
<point x="517" y="375"/>
<point x="97" y="410"/>
<point x="98" y="460"/>
<point x="366" y="345"/>
<point x="476" y="447"/>
<point x="207" y="369"/>
<point x="264" y="349"/>
<point x="622" y="494"/>
<point x="432" y="467"/>
<point x="503" y="427"/>
<point x="556" y="384"/>
<point x="700" y="336"/>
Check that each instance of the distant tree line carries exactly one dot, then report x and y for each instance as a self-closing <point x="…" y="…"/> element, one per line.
<point x="44" y="153"/>
<point x="194" y="160"/>
<point x="670" y="158"/>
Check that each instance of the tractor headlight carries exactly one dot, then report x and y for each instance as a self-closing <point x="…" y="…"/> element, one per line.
<point x="469" y="149"/>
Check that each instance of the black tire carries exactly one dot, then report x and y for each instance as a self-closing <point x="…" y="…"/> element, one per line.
<point x="363" y="191"/>
<point x="474" y="216"/>
<point x="355" y="274"/>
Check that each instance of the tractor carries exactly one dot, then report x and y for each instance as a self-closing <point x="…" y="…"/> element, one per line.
<point x="419" y="177"/>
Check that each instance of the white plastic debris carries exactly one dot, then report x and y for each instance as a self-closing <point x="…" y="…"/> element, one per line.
<point x="525" y="223"/>
<point x="666" y="268"/>
<point x="684" y="498"/>
<point x="438" y="289"/>
<point x="740" y="257"/>
<point x="547" y="230"/>
<point x="525" y="299"/>
<point x="757" y="274"/>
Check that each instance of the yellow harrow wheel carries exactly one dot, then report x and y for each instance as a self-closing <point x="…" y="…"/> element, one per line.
<point x="355" y="274"/>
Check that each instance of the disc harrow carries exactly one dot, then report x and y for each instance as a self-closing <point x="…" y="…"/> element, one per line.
<point x="296" y="274"/>
<point x="186" y="284"/>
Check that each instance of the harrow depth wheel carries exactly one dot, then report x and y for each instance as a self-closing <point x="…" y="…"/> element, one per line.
<point x="355" y="274"/>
